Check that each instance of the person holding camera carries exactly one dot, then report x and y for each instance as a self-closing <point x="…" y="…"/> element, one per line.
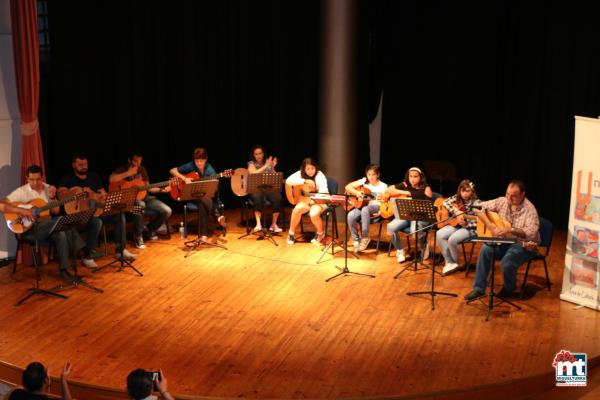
<point x="36" y="383"/>
<point x="141" y="383"/>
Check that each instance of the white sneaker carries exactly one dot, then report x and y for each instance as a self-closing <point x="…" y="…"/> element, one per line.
<point x="364" y="243"/>
<point x="449" y="268"/>
<point x="275" y="229"/>
<point x="318" y="238"/>
<point x="127" y="255"/>
<point x="89" y="263"/>
<point x="139" y="242"/>
<point x="257" y="228"/>
<point x="355" y="244"/>
<point x="400" y="256"/>
<point x="153" y="236"/>
<point x="290" y="239"/>
<point x="163" y="228"/>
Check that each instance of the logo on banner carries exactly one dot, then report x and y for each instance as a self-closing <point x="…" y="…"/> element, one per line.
<point x="571" y="368"/>
<point x="587" y="206"/>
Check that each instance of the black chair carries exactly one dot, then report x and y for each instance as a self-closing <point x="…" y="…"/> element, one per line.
<point x="546" y="233"/>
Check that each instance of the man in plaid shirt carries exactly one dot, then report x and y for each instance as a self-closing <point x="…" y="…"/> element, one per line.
<point x="525" y="224"/>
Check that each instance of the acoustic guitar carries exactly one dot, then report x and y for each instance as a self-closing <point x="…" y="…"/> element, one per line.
<point x="496" y="219"/>
<point x="91" y="200"/>
<point x="386" y="208"/>
<point x="299" y="193"/>
<point x="178" y="184"/>
<point x="442" y="214"/>
<point x="141" y="186"/>
<point x="40" y="208"/>
<point x="359" y="202"/>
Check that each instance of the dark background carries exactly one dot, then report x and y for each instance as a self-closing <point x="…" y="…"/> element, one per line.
<point x="490" y="86"/>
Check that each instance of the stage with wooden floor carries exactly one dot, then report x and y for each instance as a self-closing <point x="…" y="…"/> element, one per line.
<point x="259" y="321"/>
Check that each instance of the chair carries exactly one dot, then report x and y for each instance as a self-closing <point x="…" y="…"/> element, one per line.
<point x="546" y="233"/>
<point x="38" y="257"/>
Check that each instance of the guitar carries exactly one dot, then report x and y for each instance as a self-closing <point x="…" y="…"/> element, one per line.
<point x="298" y="193"/>
<point x="442" y="214"/>
<point x="20" y="224"/>
<point x="141" y="186"/>
<point x="359" y="202"/>
<point x="91" y="200"/>
<point x="178" y="184"/>
<point x="386" y="208"/>
<point x="496" y="219"/>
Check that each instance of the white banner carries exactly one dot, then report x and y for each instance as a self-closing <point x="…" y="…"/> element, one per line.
<point x="581" y="274"/>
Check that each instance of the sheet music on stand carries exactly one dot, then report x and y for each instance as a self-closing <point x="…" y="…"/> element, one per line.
<point x="67" y="222"/>
<point x="120" y="201"/>
<point x="265" y="182"/>
<point x="416" y="210"/>
<point x="196" y="191"/>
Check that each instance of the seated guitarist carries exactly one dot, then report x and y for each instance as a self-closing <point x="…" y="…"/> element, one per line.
<point x="363" y="215"/>
<point x="315" y="181"/>
<point x="158" y="211"/>
<point x="258" y="165"/>
<point x="414" y="186"/>
<point x="90" y="182"/>
<point x="36" y="188"/>
<point x="525" y="224"/>
<point x="459" y="206"/>
<point x="202" y="167"/>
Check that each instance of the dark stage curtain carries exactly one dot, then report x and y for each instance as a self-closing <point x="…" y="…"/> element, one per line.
<point x="492" y="86"/>
<point x="26" y="59"/>
<point x="168" y="77"/>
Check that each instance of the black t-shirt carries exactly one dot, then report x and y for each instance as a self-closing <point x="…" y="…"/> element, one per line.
<point x="22" y="394"/>
<point x="415" y="193"/>
<point x="92" y="181"/>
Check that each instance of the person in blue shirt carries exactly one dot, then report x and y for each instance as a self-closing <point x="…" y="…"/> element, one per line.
<point x="202" y="167"/>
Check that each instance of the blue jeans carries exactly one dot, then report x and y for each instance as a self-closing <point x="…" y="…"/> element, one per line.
<point x="448" y="238"/>
<point x="363" y="216"/>
<point x="92" y="229"/>
<point x="61" y="240"/>
<point x="397" y="225"/>
<point x="159" y="212"/>
<point x="511" y="256"/>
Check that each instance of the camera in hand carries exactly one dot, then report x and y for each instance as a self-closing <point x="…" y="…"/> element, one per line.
<point x="154" y="376"/>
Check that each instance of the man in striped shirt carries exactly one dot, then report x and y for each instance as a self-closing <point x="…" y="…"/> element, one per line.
<point x="524" y="227"/>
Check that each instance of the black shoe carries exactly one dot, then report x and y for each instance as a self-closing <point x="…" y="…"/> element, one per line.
<point x="66" y="275"/>
<point x="474" y="294"/>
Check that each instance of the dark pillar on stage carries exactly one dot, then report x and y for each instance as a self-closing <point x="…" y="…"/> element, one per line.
<point x="338" y="89"/>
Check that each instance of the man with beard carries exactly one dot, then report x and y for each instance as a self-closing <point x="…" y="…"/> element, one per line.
<point x="89" y="182"/>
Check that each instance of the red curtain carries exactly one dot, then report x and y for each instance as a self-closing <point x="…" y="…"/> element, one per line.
<point x="27" y="70"/>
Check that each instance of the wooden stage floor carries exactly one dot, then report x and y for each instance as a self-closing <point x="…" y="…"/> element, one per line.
<point x="260" y="321"/>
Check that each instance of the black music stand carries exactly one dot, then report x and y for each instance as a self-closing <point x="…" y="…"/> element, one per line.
<point x="344" y="271"/>
<point x="431" y="292"/>
<point x="36" y="289"/>
<point x="263" y="183"/>
<point x="335" y="241"/>
<point x="195" y="191"/>
<point x="493" y="242"/>
<point x="65" y="223"/>
<point x="120" y="202"/>
<point x="416" y="210"/>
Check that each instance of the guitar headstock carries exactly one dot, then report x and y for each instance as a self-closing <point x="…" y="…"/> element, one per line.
<point x="81" y="195"/>
<point x="228" y="173"/>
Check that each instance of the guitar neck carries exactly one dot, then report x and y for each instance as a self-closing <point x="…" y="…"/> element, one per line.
<point x="154" y="185"/>
<point x="211" y="177"/>
<point x="58" y="203"/>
